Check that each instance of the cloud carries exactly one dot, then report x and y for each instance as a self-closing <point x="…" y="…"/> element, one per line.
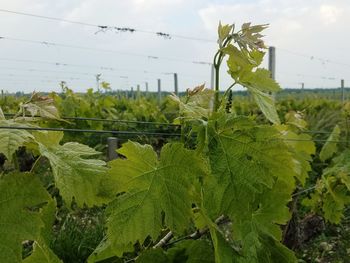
<point x="317" y="28"/>
<point x="139" y="12"/>
<point x="330" y="14"/>
<point x="314" y="27"/>
<point x="285" y="14"/>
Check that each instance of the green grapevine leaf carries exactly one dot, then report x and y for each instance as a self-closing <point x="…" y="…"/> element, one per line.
<point x="2" y="116"/>
<point x="302" y="147"/>
<point x="336" y="181"/>
<point x="11" y="140"/>
<point x="261" y="80"/>
<point x="75" y="176"/>
<point x="105" y="252"/>
<point x="334" y="200"/>
<point x="241" y="62"/>
<point x="295" y="119"/>
<point x="192" y="251"/>
<point x="223" y="32"/>
<point x="255" y="173"/>
<point x="250" y="37"/>
<point x="330" y="147"/>
<point x="197" y="104"/>
<point x="266" y="103"/>
<point x="151" y="187"/>
<point x="21" y="196"/>
<point x="48" y="216"/>
<point x="189" y="251"/>
<point x="258" y="82"/>
<point x="275" y="252"/>
<point x="224" y="253"/>
<point x="153" y="255"/>
<point x="42" y="106"/>
<point x="43" y="254"/>
<point x="332" y="192"/>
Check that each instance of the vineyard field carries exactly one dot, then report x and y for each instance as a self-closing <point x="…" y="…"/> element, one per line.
<point x="207" y="175"/>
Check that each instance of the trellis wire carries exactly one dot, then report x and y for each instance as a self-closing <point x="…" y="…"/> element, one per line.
<point x="105" y="120"/>
<point x="92" y="131"/>
<point x="141" y="133"/>
<point x="304" y="191"/>
<point x="140" y="122"/>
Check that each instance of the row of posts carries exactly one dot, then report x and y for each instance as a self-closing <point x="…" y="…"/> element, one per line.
<point x="112" y="142"/>
<point x="159" y="86"/>
<point x="272" y="69"/>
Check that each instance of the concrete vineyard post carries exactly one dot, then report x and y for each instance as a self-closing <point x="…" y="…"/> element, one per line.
<point x="112" y="146"/>
<point x="272" y="62"/>
<point x="138" y="92"/>
<point x="342" y="90"/>
<point x="212" y="75"/>
<point x="159" y="92"/>
<point x="176" y="88"/>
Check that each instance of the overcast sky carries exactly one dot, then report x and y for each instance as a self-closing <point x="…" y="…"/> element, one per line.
<point x="312" y="39"/>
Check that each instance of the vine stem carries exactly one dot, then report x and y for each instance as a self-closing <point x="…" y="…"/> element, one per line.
<point x="195" y="235"/>
<point x="219" y="56"/>
<point x="35" y="164"/>
<point x="164" y="240"/>
<point x="182" y="123"/>
<point x="217" y="79"/>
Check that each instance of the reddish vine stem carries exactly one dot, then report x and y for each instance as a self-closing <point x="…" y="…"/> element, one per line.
<point x="195" y="235"/>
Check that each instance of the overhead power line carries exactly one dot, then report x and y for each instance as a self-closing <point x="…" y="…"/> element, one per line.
<point x="303" y="75"/>
<point x="312" y="57"/>
<point x="108" y="76"/>
<point x="12" y="76"/>
<point x="104" y="68"/>
<point x="90" y="74"/>
<point x="54" y="44"/>
<point x="104" y="28"/>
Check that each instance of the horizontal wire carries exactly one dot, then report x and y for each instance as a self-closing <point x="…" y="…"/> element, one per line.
<point x="304" y="191"/>
<point x="314" y="140"/>
<point x="47" y="43"/>
<point x="146" y="133"/>
<point x="169" y="124"/>
<point x="123" y="121"/>
<point x="311" y="57"/>
<point x="103" y="28"/>
<point x="105" y="120"/>
<point x="92" y="131"/>
<point x="105" y="68"/>
<point x="317" y="132"/>
<point x="106" y="27"/>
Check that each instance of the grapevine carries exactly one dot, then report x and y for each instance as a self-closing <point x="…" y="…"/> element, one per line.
<point x="222" y="194"/>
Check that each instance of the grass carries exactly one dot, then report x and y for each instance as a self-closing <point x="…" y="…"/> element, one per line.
<point x="332" y="246"/>
<point x="77" y="234"/>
